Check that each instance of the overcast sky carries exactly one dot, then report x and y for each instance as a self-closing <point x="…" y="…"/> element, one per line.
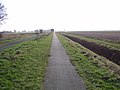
<point x="62" y="14"/>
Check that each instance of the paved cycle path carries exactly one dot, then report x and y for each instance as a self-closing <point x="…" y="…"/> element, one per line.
<point x="61" y="75"/>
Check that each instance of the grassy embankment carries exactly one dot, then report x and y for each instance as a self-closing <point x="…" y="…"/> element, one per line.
<point x="23" y="66"/>
<point x="93" y="68"/>
<point x="107" y="43"/>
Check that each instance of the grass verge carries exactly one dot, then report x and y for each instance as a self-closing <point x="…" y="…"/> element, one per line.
<point x="23" y="66"/>
<point x="91" y="67"/>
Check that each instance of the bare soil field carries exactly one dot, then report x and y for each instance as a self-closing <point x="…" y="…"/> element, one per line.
<point x="14" y="35"/>
<point x="112" y="55"/>
<point x="108" y="35"/>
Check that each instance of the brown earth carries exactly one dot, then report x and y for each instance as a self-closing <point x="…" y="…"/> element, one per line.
<point x="108" y="35"/>
<point x="11" y="36"/>
<point x="112" y="55"/>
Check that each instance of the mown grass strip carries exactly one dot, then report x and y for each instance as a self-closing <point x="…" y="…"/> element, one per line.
<point x="95" y="76"/>
<point x="23" y="66"/>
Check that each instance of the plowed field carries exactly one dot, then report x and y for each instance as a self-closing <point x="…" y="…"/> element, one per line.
<point x="112" y="55"/>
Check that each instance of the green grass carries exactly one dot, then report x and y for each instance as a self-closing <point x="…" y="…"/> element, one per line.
<point x="107" y="43"/>
<point x="23" y="66"/>
<point x="91" y="67"/>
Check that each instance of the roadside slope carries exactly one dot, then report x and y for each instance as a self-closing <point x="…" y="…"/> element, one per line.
<point x="23" y="66"/>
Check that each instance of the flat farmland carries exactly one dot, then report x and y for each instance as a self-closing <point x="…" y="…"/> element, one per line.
<point x="107" y="35"/>
<point x="14" y="35"/>
<point x="100" y="42"/>
<point x="110" y="39"/>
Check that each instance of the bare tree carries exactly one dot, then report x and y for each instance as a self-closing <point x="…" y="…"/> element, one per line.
<point x="3" y="14"/>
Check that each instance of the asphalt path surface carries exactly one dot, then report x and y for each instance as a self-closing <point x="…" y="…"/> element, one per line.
<point x="10" y="44"/>
<point x="61" y="75"/>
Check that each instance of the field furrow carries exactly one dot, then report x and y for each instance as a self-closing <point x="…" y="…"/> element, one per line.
<point x="112" y="55"/>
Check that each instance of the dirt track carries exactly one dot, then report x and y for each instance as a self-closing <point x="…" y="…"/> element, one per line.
<point x="61" y="75"/>
<point x="112" y="55"/>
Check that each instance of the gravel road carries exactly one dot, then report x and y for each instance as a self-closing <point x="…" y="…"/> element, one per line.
<point x="61" y="75"/>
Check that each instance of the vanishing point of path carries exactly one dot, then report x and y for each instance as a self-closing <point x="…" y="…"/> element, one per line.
<point x="61" y="75"/>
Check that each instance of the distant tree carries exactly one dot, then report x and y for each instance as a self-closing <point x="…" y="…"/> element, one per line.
<point x="41" y="31"/>
<point x="3" y="13"/>
<point x="15" y="31"/>
<point x="0" y="34"/>
<point x="52" y="30"/>
<point x="37" y="32"/>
